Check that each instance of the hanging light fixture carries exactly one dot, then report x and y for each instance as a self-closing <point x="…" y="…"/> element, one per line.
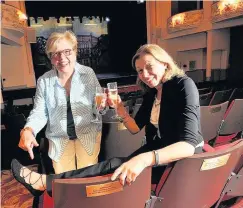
<point x="21" y="15"/>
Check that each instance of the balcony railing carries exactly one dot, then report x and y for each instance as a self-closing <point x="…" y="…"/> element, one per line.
<point x="13" y="23"/>
<point x="185" y="20"/>
<point x="224" y="10"/>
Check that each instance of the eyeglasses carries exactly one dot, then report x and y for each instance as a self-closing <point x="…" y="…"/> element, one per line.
<point x="66" y="52"/>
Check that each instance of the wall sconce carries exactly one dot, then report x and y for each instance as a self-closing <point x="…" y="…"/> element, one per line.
<point x="22" y="16"/>
<point x="227" y="5"/>
<point x="178" y="19"/>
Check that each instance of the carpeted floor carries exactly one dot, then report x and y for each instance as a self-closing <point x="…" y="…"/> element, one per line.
<point x="13" y="194"/>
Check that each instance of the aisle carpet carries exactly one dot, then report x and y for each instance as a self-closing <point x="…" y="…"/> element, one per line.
<point x="13" y="194"/>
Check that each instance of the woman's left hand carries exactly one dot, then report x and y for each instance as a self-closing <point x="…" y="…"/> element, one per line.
<point x="129" y="170"/>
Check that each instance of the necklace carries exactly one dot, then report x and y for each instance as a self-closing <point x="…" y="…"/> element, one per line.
<point x="156" y="101"/>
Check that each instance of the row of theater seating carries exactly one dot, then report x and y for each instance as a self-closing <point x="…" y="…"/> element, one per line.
<point x="15" y="122"/>
<point x="13" y="118"/>
<point x="203" y="180"/>
<point x="208" y="97"/>
<point x="199" y="75"/>
<point x="219" y="124"/>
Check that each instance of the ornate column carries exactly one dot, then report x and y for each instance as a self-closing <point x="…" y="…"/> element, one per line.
<point x="151" y="21"/>
<point x="209" y="55"/>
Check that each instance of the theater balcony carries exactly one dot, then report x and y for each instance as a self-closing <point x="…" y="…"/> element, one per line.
<point x="185" y="20"/>
<point x="225" y="10"/>
<point x="13" y="25"/>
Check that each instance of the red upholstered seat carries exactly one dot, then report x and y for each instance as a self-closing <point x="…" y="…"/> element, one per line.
<point x="208" y="148"/>
<point x="211" y="118"/>
<point x="47" y="201"/>
<point x="189" y="182"/>
<point x="85" y="192"/>
<point x="232" y="123"/>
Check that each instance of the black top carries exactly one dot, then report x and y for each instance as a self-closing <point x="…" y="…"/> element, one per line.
<point x="70" y="123"/>
<point x="179" y="118"/>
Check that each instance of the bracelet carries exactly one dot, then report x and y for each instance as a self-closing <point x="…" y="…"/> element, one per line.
<point x="124" y="117"/>
<point x="156" y="156"/>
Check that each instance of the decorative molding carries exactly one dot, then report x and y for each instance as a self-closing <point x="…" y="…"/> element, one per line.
<point x="11" y="20"/>
<point x="185" y="20"/>
<point x="80" y="26"/>
<point x="222" y="10"/>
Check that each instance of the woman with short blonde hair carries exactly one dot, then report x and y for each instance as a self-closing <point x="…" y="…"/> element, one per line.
<point x="54" y="39"/>
<point x="65" y="103"/>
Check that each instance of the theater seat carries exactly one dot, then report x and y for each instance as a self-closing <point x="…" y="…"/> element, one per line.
<point x="198" y="181"/>
<point x="211" y="118"/>
<point x="233" y="188"/>
<point x="135" y="109"/>
<point x="204" y="90"/>
<point x="231" y="124"/>
<point x="116" y="140"/>
<point x="220" y="97"/>
<point x="100" y="192"/>
<point x="205" y="99"/>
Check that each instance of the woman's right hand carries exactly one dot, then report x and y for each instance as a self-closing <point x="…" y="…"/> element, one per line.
<point x="27" y="142"/>
<point x="129" y="171"/>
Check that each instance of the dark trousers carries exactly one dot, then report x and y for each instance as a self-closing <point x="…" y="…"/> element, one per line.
<point x="107" y="166"/>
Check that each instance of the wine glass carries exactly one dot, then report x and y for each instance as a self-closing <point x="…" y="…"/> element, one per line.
<point x="99" y="105"/>
<point x="112" y="88"/>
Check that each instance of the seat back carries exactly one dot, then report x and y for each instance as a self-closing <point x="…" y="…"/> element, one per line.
<point x="220" y="97"/>
<point x="15" y="122"/>
<point x="129" y="104"/>
<point x="100" y="192"/>
<point x="236" y="94"/>
<point x="117" y="141"/>
<point x="235" y="185"/>
<point x="196" y="75"/>
<point x="139" y="100"/>
<point x="233" y="120"/>
<point x="211" y="117"/>
<point x="45" y="165"/>
<point x="205" y="99"/>
<point x="198" y="181"/>
<point x="204" y="90"/>
<point x="135" y="109"/>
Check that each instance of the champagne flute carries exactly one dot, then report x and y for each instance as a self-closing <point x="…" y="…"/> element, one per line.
<point x="99" y="106"/>
<point x="112" y="88"/>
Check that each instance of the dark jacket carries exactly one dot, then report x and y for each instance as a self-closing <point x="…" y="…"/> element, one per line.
<point x="179" y="118"/>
